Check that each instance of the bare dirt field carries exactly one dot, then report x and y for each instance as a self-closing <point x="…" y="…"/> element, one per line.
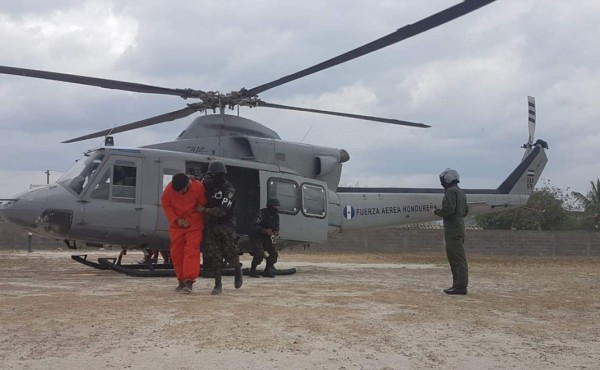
<point x="339" y="311"/>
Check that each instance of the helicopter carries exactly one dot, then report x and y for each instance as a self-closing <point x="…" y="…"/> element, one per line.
<point x="111" y="196"/>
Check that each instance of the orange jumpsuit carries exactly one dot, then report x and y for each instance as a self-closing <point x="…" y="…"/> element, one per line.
<point x="185" y="241"/>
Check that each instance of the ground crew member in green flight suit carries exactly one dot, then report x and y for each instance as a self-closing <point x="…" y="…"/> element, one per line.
<point x="454" y="210"/>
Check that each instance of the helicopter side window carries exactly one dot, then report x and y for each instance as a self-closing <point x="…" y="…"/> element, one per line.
<point x="166" y="180"/>
<point x="286" y="192"/>
<point x="124" y="182"/>
<point x="314" y="202"/>
<point x="196" y="169"/>
<point x="168" y="174"/>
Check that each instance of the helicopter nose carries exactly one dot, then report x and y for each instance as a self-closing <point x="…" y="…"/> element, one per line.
<point x="45" y="210"/>
<point x="20" y="211"/>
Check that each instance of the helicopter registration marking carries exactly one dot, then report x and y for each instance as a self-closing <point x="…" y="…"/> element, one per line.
<point x="351" y="212"/>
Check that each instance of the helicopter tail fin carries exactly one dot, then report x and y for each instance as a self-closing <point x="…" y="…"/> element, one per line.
<point x="523" y="179"/>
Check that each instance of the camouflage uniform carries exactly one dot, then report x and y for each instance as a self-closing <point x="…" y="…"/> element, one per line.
<point x="261" y="242"/>
<point x="219" y="231"/>
<point x="454" y="210"/>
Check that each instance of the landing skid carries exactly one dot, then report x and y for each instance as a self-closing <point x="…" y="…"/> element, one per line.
<point x="154" y="269"/>
<point x="131" y="269"/>
<point x="82" y="258"/>
<point x="139" y="269"/>
<point x="246" y="271"/>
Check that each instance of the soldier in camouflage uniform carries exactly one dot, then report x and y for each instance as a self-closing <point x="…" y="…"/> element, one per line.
<point x="454" y="210"/>
<point x="219" y="231"/>
<point x="264" y="227"/>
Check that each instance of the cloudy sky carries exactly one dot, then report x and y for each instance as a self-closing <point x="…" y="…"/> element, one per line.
<point x="469" y="79"/>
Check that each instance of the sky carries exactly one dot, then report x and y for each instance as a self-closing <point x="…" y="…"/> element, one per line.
<point x="469" y="79"/>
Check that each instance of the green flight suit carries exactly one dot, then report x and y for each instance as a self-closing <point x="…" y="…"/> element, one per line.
<point x="454" y="210"/>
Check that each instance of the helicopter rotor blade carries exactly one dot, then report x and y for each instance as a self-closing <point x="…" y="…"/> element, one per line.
<point x="403" y="33"/>
<point x="171" y="116"/>
<point x="99" y="82"/>
<point x="340" y="114"/>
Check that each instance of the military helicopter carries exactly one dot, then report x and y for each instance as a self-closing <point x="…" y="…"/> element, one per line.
<point x="111" y="196"/>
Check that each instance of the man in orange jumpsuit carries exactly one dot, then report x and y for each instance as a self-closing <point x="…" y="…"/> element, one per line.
<point x="179" y="201"/>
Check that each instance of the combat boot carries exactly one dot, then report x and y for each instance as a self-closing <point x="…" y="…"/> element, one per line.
<point x="458" y="291"/>
<point x="218" y="287"/>
<point x="239" y="277"/>
<point x="268" y="271"/>
<point x="253" y="272"/>
<point x="180" y="287"/>
<point x="187" y="287"/>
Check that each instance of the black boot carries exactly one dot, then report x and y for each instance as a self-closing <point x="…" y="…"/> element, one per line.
<point x="218" y="287"/>
<point x="253" y="272"/>
<point x="187" y="287"/>
<point x="269" y="271"/>
<point x="239" y="277"/>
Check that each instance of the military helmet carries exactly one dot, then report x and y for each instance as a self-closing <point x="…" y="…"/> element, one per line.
<point x="273" y="202"/>
<point x="216" y="167"/>
<point x="449" y="176"/>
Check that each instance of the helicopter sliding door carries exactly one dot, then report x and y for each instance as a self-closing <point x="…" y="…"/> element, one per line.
<point x="303" y="209"/>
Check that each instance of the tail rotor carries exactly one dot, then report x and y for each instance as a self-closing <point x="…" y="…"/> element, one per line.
<point x="529" y="144"/>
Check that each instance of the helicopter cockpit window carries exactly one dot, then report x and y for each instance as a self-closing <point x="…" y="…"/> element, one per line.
<point x="287" y="193"/>
<point x="314" y="202"/>
<point x="80" y="175"/>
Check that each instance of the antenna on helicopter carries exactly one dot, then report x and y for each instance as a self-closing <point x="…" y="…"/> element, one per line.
<point x="305" y="135"/>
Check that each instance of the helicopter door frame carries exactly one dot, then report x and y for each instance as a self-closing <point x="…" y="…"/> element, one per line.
<point x="167" y="169"/>
<point x="303" y="209"/>
<point x="112" y="205"/>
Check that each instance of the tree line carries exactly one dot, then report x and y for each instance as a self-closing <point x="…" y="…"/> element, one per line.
<point x="550" y="208"/>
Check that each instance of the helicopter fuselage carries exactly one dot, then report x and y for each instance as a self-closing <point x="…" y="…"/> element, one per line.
<point x="111" y="196"/>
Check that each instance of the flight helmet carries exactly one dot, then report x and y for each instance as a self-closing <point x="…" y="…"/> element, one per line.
<point x="449" y="177"/>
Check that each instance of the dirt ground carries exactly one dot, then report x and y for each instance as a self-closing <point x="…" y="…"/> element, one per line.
<point x="337" y="312"/>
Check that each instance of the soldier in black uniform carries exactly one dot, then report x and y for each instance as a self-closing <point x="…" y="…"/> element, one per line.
<point x="454" y="210"/>
<point x="219" y="231"/>
<point x="265" y="226"/>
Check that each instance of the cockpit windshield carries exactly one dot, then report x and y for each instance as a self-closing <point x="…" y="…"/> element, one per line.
<point x="81" y="174"/>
